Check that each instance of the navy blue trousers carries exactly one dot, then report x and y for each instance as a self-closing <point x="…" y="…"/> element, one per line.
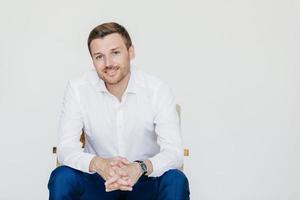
<point x="66" y="183"/>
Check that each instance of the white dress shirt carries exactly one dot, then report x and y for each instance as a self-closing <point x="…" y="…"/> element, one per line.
<point x="144" y="125"/>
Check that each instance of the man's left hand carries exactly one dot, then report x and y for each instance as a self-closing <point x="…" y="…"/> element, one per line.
<point x="126" y="178"/>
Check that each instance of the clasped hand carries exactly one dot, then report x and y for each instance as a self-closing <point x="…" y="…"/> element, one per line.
<point x="120" y="174"/>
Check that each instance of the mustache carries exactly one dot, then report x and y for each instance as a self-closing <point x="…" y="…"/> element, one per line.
<point x="111" y="67"/>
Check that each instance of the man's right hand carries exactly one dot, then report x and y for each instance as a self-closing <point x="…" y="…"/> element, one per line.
<point x="112" y="169"/>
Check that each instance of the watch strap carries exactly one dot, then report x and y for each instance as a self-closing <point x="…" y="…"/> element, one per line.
<point x="143" y="166"/>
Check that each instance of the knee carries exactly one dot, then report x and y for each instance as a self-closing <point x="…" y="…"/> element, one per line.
<point x="175" y="176"/>
<point x="63" y="176"/>
<point x="62" y="173"/>
<point x="174" y="185"/>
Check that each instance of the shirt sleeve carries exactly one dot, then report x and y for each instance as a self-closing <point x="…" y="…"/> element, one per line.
<point x="69" y="151"/>
<point x="168" y="133"/>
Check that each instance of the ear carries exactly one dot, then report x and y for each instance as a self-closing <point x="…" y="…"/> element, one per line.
<point x="131" y="52"/>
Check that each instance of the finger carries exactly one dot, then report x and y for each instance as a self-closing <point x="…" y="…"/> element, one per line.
<point x="117" y="163"/>
<point x="123" y="160"/>
<point x="111" y="173"/>
<point x="110" y="190"/>
<point x="120" y="172"/>
<point x="124" y="182"/>
<point x="123" y="171"/>
<point x="112" y="187"/>
<point x="114" y="162"/>
<point x="125" y="188"/>
<point x="111" y="180"/>
<point x="115" y="168"/>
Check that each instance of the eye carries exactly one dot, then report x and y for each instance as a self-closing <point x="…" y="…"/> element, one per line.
<point x="116" y="52"/>
<point x="98" y="57"/>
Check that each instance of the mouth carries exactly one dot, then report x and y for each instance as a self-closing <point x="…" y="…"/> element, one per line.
<point x="111" y="71"/>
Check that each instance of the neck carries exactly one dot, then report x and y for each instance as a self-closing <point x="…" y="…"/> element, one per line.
<point x="118" y="89"/>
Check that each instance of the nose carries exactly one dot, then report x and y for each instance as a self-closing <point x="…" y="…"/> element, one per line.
<point x="108" y="61"/>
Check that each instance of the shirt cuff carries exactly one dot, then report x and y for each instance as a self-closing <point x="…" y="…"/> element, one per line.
<point x="157" y="171"/>
<point x="86" y="161"/>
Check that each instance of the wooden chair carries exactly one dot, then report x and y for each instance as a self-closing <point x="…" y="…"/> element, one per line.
<point x="186" y="152"/>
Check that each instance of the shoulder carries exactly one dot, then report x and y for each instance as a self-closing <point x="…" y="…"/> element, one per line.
<point x="147" y="81"/>
<point x="153" y="88"/>
<point x="87" y="79"/>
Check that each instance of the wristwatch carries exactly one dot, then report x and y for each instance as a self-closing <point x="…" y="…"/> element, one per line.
<point x="143" y="166"/>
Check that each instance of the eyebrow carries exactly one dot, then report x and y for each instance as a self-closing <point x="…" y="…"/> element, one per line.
<point x="97" y="53"/>
<point x="113" y="49"/>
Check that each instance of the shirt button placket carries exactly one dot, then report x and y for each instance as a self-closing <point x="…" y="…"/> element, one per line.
<point x="119" y="129"/>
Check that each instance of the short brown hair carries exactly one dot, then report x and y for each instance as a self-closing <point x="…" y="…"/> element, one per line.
<point x="105" y="29"/>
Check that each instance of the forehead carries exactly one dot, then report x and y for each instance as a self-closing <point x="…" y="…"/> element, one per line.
<point x="107" y="43"/>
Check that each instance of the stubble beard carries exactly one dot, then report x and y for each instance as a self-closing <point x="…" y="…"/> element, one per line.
<point x="120" y="76"/>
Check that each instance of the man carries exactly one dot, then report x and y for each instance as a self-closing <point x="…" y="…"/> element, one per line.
<point x="133" y="146"/>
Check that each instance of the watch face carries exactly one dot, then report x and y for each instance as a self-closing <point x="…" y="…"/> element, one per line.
<point x="144" y="167"/>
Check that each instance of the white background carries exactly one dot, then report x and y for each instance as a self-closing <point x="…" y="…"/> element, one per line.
<point x="233" y="66"/>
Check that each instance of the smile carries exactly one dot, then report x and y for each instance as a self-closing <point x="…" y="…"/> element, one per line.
<point x="112" y="71"/>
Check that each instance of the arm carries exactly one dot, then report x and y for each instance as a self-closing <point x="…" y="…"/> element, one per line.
<point x="69" y="149"/>
<point x="168" y="133"/>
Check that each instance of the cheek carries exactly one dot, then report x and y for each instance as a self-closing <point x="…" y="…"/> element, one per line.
<point x="98" y="65"/>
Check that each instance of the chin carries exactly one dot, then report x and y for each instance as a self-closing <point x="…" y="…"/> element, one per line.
<point x="112" y="81"/>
